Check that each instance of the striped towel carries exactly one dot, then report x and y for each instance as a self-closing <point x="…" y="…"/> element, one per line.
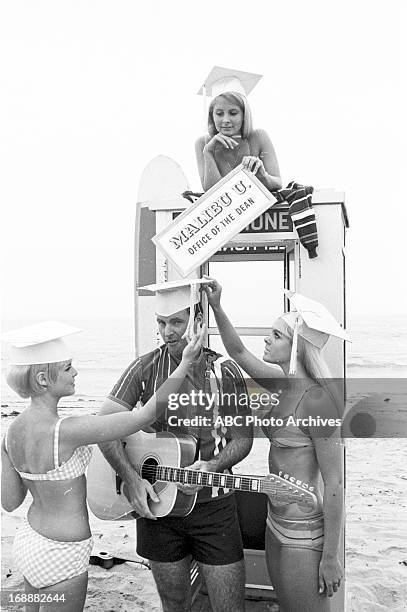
<point x="298" y="197"/>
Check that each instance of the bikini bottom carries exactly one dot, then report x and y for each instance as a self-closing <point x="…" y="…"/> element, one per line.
<point x="297" y="533"/>
<point x="44" y="562"/>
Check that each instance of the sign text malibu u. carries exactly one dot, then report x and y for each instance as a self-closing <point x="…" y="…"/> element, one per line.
<point x="212" y="221"/>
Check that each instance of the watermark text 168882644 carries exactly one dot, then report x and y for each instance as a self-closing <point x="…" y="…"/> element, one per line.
<point x="10" y="597"/>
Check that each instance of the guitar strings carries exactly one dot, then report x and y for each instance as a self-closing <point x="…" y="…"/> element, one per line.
<point x="277" y="486"/>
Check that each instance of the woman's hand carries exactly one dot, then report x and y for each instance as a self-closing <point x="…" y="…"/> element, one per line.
<point x="192" y="350"/>
<point x="213" y="291"/>
<point x="254" y="164"/>
<point x="330" y="575"/>
<point x="226" y="141"/>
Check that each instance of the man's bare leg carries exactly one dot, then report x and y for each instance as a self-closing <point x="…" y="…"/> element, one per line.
<point x="225" y="584"/>
<point x="173" y="582"/>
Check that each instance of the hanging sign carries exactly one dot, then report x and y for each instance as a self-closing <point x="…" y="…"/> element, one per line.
<point x="213" y="220"/>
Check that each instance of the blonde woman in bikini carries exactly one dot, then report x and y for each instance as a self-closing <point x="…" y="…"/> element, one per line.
<point x="302" y="551"/>
<point x="47" y="456"/>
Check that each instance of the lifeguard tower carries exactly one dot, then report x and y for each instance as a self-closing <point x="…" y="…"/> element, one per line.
<point x="269" y="249"/>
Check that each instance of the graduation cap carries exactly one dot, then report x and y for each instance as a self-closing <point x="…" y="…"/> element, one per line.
<point x="173" y="296"/>
<point x="221" y="80"/>
<point x="39" y="343"/>
<point x="312" y="321"/>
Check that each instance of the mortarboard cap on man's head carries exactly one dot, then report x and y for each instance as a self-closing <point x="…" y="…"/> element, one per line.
<point x="312" y="321"/>
<point x="221" y="80"/>
<point x="39" y="343"/>
<point x="174" y="296"/>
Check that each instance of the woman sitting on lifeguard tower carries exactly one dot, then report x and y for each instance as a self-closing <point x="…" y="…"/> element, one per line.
<point x="231" y="139"/>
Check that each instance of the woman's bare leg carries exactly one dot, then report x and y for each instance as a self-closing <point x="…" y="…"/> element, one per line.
<point x="294" y="575"/>
<point x="30" y="590"/>
<point x="71" y="595"/>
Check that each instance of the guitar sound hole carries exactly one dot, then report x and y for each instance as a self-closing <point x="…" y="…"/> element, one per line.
<point x="148" y="470"/>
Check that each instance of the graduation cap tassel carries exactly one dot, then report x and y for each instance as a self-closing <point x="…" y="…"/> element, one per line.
<point x="293" y="358"/>
<point x="190" y="327"/>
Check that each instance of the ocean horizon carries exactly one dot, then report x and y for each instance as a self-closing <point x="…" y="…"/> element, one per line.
<point x="106" y="346"/>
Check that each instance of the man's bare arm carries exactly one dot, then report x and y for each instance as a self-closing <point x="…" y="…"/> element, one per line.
<point x="139" y="489"/>
<point x="237" y="449"/>
<point x="233" y="453"/>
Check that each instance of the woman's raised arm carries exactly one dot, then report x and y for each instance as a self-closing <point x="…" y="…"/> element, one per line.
<point x="254" y="367"/>
<point x="207" y="167"/>
<point x="78" y="431"/>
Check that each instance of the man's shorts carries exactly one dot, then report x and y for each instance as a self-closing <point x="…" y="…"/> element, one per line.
<point x="210" y="533"/>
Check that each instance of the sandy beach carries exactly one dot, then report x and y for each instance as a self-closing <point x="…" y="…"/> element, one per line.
<point x="376" y="542"/>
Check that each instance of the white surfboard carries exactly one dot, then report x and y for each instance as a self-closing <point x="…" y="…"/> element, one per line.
<point x="162" y="180"/>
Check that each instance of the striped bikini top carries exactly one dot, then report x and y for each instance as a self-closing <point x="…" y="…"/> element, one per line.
<point x="74" y="467"/>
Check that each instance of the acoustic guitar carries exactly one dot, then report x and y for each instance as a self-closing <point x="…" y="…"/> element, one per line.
<point x="161" y="458"/>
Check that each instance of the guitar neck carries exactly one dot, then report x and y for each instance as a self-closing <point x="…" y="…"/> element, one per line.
<point x="275" y="487"/>
<point x="209" y="479"/>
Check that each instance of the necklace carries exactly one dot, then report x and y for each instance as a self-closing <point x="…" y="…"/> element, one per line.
<point x="235" y="156"/>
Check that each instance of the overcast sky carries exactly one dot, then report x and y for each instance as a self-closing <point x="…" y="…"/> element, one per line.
<point x="91" y="91"/>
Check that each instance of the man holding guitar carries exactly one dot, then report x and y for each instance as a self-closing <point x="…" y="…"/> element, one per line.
<point x="210" y="532"/>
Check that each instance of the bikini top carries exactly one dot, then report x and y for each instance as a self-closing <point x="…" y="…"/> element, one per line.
<point x="74" y="467"/>
<point x="292" y="435"/>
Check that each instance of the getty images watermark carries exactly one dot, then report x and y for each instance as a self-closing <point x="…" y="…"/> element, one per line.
<point x="359" y="408"/>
